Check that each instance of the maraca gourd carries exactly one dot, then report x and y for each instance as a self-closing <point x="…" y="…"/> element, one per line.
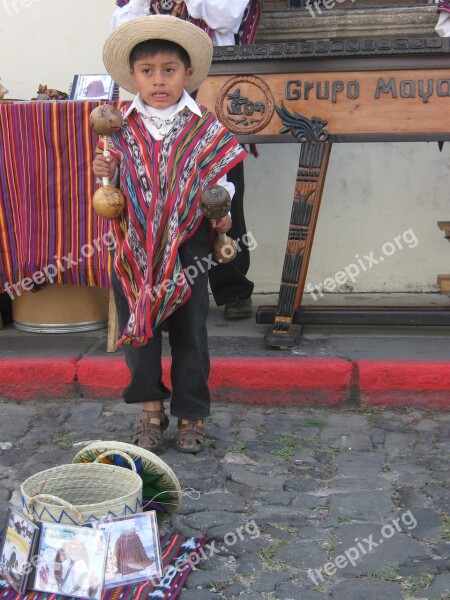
<point x="215" y="204"/>
<point x="108" y="201"/>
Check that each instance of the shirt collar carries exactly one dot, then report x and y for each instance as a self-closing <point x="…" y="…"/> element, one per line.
<point x="186" y="101"/>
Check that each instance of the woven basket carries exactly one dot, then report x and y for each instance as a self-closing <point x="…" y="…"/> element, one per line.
<point x="82" y="493"/>
<point x="160" y="484"/>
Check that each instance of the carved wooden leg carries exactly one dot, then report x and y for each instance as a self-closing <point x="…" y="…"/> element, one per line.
<point x="311" y="175"/>
<point x="113" y="325"/>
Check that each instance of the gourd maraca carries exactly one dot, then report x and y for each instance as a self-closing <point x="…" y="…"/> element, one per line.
<point x="215" y="204"/>
<point x="108" y="201"/>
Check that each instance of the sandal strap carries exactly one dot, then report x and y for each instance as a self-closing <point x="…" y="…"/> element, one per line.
<point x="147" y="434"/>
<point x="190" y="434"/>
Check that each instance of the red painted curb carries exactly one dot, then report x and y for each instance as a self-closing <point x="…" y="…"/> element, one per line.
<point x="288" y="381"/>
<point x="404" y="383"/>
<point x="273" y="381"/>
<point x="26" y="378"/>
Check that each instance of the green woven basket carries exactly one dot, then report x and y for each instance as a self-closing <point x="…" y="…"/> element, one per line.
<point x="159" y="482"/>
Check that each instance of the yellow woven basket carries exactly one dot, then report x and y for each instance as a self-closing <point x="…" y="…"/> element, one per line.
<point x="82" y="493"/>
<point x="161" y="488"/>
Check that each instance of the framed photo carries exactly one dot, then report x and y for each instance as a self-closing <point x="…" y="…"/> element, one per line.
<point x="17" y="550"/>
<point x="134" y="553"/>
<point x="94" y="87"/>
<point x="71" y="561"/>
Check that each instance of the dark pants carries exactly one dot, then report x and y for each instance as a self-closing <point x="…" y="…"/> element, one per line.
<point x="188" y="342"/>
<point x="228" y="281"/>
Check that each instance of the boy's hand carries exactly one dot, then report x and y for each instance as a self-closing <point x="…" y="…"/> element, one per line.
<point x="222" y="225"/>
<point x="104" y="167"/>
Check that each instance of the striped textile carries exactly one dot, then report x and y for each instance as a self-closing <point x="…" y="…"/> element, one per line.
<point x="247" y="30"/>
<point x="173" y="548"/>
<point x="443" y="6"/>
<point x="162" y="182"/>
<point x="46" y="186"/>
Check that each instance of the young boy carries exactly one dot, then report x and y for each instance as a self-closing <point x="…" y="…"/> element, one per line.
<point x="168" y="150"/>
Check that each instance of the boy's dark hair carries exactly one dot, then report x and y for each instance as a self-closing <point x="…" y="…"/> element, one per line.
<point x="152" y="47"/>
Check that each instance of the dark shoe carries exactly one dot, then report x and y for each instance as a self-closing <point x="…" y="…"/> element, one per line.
<point x="241" y="308"/>
<point x="190" y="437"/>
<point x="149" y="435"/>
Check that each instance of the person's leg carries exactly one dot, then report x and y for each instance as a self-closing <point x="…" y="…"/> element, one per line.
<point x="228" y="281"/>
<point x="146" y="385"/>
<point x="189" y="343"/>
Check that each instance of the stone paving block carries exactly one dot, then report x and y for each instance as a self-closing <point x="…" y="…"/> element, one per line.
<point x="356" y="589"/>
<point x="243" y="547"/>
<point x="308" y="501"/>
<point x="430" y="566"/>
<point x="85" y="412"/>
<point x="374" y="504"/>
<point x="233" y="591"/>
<point x="203" y="579"/>
<point x="426" y="425"/>
<point x="377" y="436"/>
<point x="217" y="500"/>
<point x="398" y="443"/>
<point x="420" y="523"/>
<point x="198" y="594"/>
<point x="302" y="484"/>
<point x="348" y="463"/>
<point x="341" y="484"/>
<point x="281" y="498"/>
<point x="251" y="479"/>
<point x="289" y="513"/>
<point x="206" y="519"/>
<point x="441" y="585"/>
<point x="291" y="593"/>
<point x="268" y="582"/>
<point x="250" y="596"/>
<point x="281" y="533"/>
<point x="412" y="498"/>
<point x="303" y="555"/>
<point x="249" y="564"/>
<point x="346" y="421"/>
<point x="389" y="552"/>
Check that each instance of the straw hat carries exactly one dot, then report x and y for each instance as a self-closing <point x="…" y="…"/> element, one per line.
<point x="118" y="47"/>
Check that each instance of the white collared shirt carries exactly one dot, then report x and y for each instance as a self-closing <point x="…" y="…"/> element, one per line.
<point x="222" y="16"/>
<point x="443" y="25"/>
<point x="166" y="114"/>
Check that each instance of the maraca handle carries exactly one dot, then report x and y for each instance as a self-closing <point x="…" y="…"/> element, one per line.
<point x="106" y="153"/>
<point x="222" y="237"/>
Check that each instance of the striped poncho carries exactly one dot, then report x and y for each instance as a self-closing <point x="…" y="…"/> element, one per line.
<point x="163" y="181"/>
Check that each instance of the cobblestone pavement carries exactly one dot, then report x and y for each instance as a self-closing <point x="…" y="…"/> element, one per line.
<point x="306" y="504"/>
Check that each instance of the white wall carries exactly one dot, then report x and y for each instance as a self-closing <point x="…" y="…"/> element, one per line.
<point x="373" y="193"/>
<point x="49" y="41"/>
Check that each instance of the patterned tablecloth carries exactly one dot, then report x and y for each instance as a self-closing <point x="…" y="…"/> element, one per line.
<point x="47" y="223"/>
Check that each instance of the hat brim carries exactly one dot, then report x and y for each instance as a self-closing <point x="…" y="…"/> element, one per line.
<point x="118" y="47"/>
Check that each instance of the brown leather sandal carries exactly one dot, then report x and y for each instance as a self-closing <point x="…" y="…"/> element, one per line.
<point x="190" y="437"/>
<point x="149" y="435"/>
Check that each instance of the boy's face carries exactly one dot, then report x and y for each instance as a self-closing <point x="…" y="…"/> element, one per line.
<point x="160" y="79"/>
